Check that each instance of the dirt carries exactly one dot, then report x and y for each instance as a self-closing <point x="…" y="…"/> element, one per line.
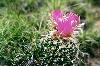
<point x="94" y="61"/>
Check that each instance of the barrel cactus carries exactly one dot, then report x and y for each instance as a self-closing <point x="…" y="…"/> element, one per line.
<point x="59" y="47"/>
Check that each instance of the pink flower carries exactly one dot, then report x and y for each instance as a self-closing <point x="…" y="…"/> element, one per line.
<point x="65" y="24"/>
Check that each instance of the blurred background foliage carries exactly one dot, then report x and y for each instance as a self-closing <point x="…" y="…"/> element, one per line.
<point x="23" y="21"/>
